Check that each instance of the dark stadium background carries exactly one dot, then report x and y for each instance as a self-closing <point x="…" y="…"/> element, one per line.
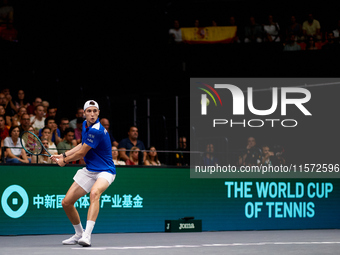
<point x="118" y="51"/>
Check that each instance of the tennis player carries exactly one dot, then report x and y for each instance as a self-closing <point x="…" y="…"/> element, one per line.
<point x="95" y="178"/>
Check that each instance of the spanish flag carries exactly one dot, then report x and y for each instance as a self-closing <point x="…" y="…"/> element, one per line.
<point x="193" y="35"/>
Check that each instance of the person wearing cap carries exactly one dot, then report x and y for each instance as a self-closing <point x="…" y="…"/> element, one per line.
<point x="95" y="178"/>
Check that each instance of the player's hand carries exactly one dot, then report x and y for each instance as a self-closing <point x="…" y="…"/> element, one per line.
<point x="61" y="162"/>
<point x="57" y="158"/>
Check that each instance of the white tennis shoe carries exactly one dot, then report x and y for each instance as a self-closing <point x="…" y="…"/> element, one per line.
<point x="85" y="240"/>
<point x="72" y="240"/>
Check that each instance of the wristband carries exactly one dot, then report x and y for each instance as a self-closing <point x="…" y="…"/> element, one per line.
<point x="64" y="155"/>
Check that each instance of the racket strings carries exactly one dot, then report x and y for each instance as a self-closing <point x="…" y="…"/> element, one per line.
<point x="31" y="143"/>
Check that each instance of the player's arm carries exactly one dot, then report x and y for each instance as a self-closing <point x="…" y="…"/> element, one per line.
<point x="75" y="154"/>
<point x="57" y="158"/>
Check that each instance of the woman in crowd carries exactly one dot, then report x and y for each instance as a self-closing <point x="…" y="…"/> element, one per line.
<point x="115" y="157"/>
<point x="152" y="157"/>
<point x="14" y="151"/>
<point x="21" y="101"/>
<point x="42" y="159"/>
<point x="133" y="156"/>
<point x="46" y="133"/>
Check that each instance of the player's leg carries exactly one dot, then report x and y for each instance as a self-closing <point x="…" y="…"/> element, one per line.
<point x="73" y="194"/>
<point x="102" y="183"/>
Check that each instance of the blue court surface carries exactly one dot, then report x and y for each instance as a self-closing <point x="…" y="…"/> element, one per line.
<point x="224" y="242"/>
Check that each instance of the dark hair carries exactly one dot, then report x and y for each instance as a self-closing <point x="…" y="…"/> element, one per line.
<point x="42" y="130"/>
<point x="47" y="119"/>
<point x="63" y="119"/>
<point x="36" y="107"/>
<point x="67" y="130"/>
<point x="132" y="127"/>
<point x="12" y="128"/>
<point x="80" y="120"/>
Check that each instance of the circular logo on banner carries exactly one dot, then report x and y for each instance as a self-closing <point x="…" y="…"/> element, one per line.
<point x="4" y="203"/>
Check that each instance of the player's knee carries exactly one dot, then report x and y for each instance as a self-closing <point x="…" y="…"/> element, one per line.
<point x="65" y="203"/>
<point x="94" y="194"/>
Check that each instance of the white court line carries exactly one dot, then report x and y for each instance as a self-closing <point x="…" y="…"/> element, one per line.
<point x="200" y="245"/>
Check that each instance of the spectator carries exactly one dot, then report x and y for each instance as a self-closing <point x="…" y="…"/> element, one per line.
<point x="182" y="158"/>
<point x="294" y="28"/>
<point x="78" y="130"/>
<point x="4" y="131"/>
<point x="16" y="118"/>
<point x="42" y="159"/>
<point x="25" y="123"/>
<point x="311" y="27"/>
<point x="31" y="108"/>
<point x="310" y="44"/>
<point x="176" y="33"/>
<point x="115" y="157"/>
<point x="209" y="158"/>
<point x="9" y="33"/>
<point x="133" y="157"/>
<point x="63" y="125"/>
<point x="1" y="147"/>
<point x="6" y="12"/>
<point x="46" y="105"/>
<point x="266" y="155"/>
<point x="253" y="32"/>
<point x="152" y="157"/>
<point x="52" y="112"/>
<point x="336" y="32"/>
<point x="252" y="155"/>
<point x="14" y="151"/>
<point x="232" y="22"/>
<point x="330" y="44"/>
<point x="67" y="143"/>
<point x="6" y="102"/>
<point x="7" y="118"/>
<point x="272" y="30"/>
<point x="278" y="158"/>
<point x="106" y="124"/>
<point x="291" y="44"/>
<point x="126" y="144"/>
<point x="46" y="134"/>
<point x="21" y="101"/>
<point x="79" y="114"/>
<point x="38" y="120"/>
<point x="55" y="132"/>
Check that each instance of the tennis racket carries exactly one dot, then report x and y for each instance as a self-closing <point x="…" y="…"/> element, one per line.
<point x="32" y="144"/>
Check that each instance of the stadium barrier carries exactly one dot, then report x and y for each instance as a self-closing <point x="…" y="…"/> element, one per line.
<point x="142" y="198"/>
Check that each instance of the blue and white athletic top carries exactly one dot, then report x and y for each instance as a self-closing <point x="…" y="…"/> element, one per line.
<point x="99" y="158"/>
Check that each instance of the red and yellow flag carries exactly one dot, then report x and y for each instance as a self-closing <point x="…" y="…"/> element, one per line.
<point x="217" y="34"/>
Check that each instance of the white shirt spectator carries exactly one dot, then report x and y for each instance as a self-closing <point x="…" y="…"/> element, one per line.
<point x="177" y="34"/>
<point x="8" y="142"/>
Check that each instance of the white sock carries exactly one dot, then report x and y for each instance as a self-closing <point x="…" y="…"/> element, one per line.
<point x="79" y="229"/>
<point x="89" y="227"/>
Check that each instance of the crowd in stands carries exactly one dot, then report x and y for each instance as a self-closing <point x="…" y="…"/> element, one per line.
<point x="293" y="36"/>
<point x="7" y="29"/>
<point x="59" y="135"/>
<point x="266" y="155"/>
<point x="251" y="155"/>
